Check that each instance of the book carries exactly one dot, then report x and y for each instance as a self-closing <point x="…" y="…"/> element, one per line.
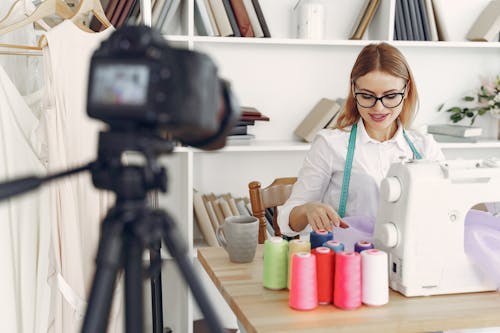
<point x="242" y="18"/>
<point x="95" y="24"/>
<point x="232" y="18"/>
<point x="262" y="19"/>
<point x="416" y="23"/>
<point x="455" y="130"/>
<point x="202" y="20"/>
<point x="245" y="122"/>
<point x="125" y="14"/>
<point x="453" y="25"/>
<point x="238" y="130"/>
<point x="425" y="19"/>
<point x="221" y="18"/>
<point x="360" y="15"/>
<point x="487" y="25"/>
<point x="365" y="19"/>
<point x="432" y="20"/>
<point x="203" y="219"/>
<point x="167" y="15"/>
<point x="451" y="138"/>
<point x="211" y="213"/>
<point x="239" y="139"/>
<point x="117" y="12"/>
<point x="242" y="209"/>
<point x="400" y="18"/>
<point x="156" y="11"/>
<point x="254" y="118"/>
<point x="317" y="118"/>
<point x="407" y="19"/>
<point x="224" y="206"/>
<point x="211" y="17"/>
<point x="218" y="212"/>
<point x="254" y="20"/>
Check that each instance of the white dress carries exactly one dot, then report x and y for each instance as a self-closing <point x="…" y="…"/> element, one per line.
<point x="77" y="206"/>
<point x="24" y="221"/>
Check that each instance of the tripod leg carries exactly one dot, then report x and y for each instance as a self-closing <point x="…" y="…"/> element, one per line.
<point x="134" y="317"/>
<point x="180" y="254"/>
<point x="109" y="260"/>
<point x="156" y="290"/>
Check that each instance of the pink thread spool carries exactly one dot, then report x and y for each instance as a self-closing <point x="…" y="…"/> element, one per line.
<point x="347" y="284"/>
<point x="303" y="284"/>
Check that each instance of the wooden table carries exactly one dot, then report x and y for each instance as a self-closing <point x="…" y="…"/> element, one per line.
<point x="262" y="310"/>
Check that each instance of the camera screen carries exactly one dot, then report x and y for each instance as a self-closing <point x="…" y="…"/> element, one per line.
<point x="120" y="84"/>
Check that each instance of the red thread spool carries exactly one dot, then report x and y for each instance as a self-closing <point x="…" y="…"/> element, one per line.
<point x="347" y="285"/>
<point x="303" y="284"/>
<point x="325" y="266"/>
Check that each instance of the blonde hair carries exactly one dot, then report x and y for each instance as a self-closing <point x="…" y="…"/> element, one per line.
<point x="388" y="59"/>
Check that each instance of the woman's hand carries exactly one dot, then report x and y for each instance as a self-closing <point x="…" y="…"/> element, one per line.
<point x="322" y="216"/>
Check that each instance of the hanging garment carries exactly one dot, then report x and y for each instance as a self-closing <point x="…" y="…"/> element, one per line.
<point x="77" y="206"/>
<point x="24" y="221"/>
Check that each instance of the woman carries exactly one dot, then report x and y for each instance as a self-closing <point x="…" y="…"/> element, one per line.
<point x="373" y="132"/>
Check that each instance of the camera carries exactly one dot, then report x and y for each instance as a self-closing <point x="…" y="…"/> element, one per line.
<point x="138" y="82"/>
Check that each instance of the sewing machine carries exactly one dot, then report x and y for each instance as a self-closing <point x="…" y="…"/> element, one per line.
<point x="420" y="223"/>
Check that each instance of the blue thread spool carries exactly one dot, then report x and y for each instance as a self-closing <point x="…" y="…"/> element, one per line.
<point x="318" y="238"/>
<point x="334" y="246"/>
<point x="362" y="245"/>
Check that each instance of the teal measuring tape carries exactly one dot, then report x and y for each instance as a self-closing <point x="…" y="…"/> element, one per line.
<point x="347" y="170"/>
<point x="348" y="166"/>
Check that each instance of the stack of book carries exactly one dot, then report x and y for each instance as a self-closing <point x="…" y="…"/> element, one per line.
<point x="235" y="18"/>
<point x="364" y="18"/>
<point x="455" y="133"/>
<point x="432" y="20"/>
<point x="323" y="115"/>
<point x="121" y="12"/>
<point x="211" y="210"/>
<point x="249" y="115"/>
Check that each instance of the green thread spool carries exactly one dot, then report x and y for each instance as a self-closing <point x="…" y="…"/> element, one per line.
<point x="295" y="246"/>
<point x="275" y="263"/>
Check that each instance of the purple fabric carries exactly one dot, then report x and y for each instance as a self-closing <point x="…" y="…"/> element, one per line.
<point x="360" y="229"/>
<point x="481" y="240"/>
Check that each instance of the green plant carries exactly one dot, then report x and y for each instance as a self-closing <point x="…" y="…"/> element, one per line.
<point x="486" y="100"/>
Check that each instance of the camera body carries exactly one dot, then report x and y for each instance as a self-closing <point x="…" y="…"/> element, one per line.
<point x="137" y="82"/>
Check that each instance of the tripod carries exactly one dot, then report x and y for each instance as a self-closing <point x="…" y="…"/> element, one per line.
<point x="128" y="229"/>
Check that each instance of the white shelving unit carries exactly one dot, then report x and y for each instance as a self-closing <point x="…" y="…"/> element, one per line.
<point x="284" y="77"/>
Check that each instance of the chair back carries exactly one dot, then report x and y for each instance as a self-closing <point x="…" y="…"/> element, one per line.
<point x="271" y="196"/>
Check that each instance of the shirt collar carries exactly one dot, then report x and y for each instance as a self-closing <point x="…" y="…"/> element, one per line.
<point x="398" y="137"/>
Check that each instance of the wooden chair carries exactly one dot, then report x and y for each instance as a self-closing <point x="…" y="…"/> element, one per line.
<point x="271" y="196"/>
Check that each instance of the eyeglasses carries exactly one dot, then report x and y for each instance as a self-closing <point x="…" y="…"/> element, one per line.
<point x="389" y="101"/>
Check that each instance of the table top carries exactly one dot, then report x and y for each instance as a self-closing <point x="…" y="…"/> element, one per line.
<point x="262" y="310"/>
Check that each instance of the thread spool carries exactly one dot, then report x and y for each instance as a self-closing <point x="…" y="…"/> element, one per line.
<point x="362" y="246"/>
<point x="295" y="246"/>
<point x="374" y="277"/>
<point x="319" y="237"/>
<point x="347" y="283"/>
<point x="275" y="263"/>
<point x="334" y="245"/>
<point x="303" y="286"/>
<point x="324" y="272"/>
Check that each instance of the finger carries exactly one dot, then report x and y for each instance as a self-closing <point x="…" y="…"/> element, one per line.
<point x="343" y="225"/>
<point x="333" y="216"/>
<point x="326" y="222"/>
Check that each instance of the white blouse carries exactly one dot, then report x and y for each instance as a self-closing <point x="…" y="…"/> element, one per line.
<point x="320" y="178"/>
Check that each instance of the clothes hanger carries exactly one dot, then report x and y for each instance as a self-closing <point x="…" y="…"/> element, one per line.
<point x="24" y="50"/>
<point x="85" y="7"/>
<point x="45" y="9"/>
<point x="18" y="11"/>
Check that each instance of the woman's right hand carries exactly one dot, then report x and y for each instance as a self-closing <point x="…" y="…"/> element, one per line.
<point x="322" y="216"/>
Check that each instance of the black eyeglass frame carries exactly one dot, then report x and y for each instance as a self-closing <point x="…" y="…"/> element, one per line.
<point x="376" y="99"/>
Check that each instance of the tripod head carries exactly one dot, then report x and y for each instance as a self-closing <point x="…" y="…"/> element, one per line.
<point x="130" y="182"/>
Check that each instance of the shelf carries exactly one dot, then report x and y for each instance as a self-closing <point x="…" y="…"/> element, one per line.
<point x="486" y="143"/>
<point x="326" y="42"/>
<point x="281" y="146"/>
